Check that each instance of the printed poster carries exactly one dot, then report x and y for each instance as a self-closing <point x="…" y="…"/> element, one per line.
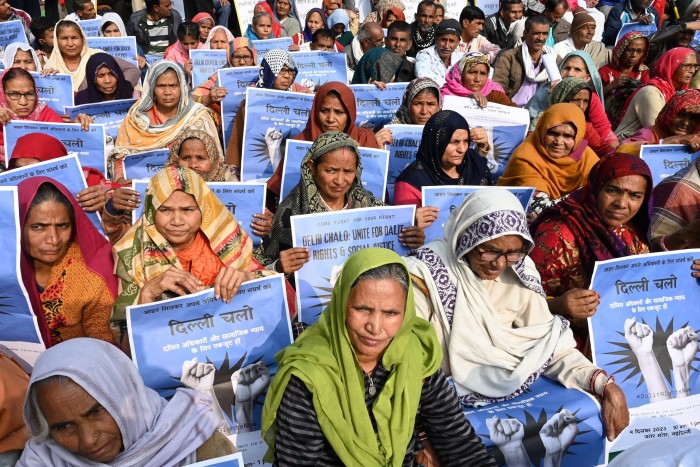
<point x="645" y="29"/>
<point x="331" y="238"/>
<point x="111" y="114"/>
<point x="665" y="160"/>
<point x="122" y="47"/>
<point x="56" y="91"/>
<point x="235" y="80"/>
<point x="146" y="164"/>
<point x="263" y="45"/>
<point x="91" y="27"/>
<point x="242" y="200"/>
<point x="376" y="108"/>
<point x="206" y="63"/>
<point x="402" y="151"/>
<point x="317" y="68"/>
<point x="11" y="31"/>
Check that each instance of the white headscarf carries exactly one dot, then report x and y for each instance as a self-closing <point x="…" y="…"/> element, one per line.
<point x="112" y="17"/>
<point x="11" y="51"/>
<point x="155" y="432"/>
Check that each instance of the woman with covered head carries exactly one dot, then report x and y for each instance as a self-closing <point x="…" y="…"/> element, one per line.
<point x="608" y="218"/>
<point x="672" y="73"/>
<point x="470" y="78"/>
<point x="420" y="102"/>
<point x="555" y="158"/>
<point x="351" y="389"/>
<point x="87" y="405"/>
<point x="287" y="15"/>
<point x="156" y="120"/>
<point x="21" y="55"/>
<point x="626" y="63"/>
<point x="186" y="240"/>
<point x="105" y="82"/>
<point x="482" y="293"/>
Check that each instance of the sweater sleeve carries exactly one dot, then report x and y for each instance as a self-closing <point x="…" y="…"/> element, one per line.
<point x="406" y="194"/>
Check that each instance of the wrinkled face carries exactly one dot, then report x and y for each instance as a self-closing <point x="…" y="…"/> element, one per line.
<point x="242" y="57"/>
<point x="685" y="71"/>
<point x="284" y="79"/>
<point x="166" y="93"/>
<point x="334" y="174"/>
<point x="536" y="37"/>
<point x="23" y="59"/>
<point x="472" y="29"/>
<point x="455" y="150"/>
<point x="684" y="123"/>
<point x="219" y="41"/>
<point x="189" y="42"/>
<point x="445" y="45"/>
<point x="70" y="42"/>
<point x="332" y="115"/>
<point x="584" y="34"/>
<point x="22" y="89"/>
<point x="79" y="423"/>
<point x="263" y="28"/>
<point x="582" y="99"/>
<point x="283" y="8"/>
<point x="559" y="140"/>
<point x="205" y="26"/>
<point x="106" y="82"/>
<point x="193" y="154"/>
<point x="620" y="199"/>
<point x="314" y="21"/>
<point x="423" y="106"/>
<point x="478" y="257"/>
<point x="88" y="11"/>
<point x="375" y="39"/>
<point x="475" y="78"/>
<point x="426" y="15"/>
<point x="374" y="315"/>
<point x="178" y="220"/>
<point x="633" y="52"/>
<point x="575" y="67"/>
<point x="399" y="42"/>
<point x="111" y="30"/>
<point x="47" y="232"/>
<point x="512" y="13"/>
<point x="324" y="44"/>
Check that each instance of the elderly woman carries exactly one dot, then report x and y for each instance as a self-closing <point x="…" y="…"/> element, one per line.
<point x="105" y="82"/>
<point x="444" y="158"/>
<point x="206" y="23"/>
<point x="330" y="181"/>
<point x="66" y="265"/>
<point x="156" y="120"/>
<point x="13" y="389"/>
<point x="186" y="240"/>
<point x="21" y="55"/>
<point x="470" y="78"/>
<point x="483" y="296"/>
<point x="672" y="73"/>
<point x="315" y="19"/>
<point x="420" y="102"/>
<point x="350" y="390"/>
<point x="79" y="413"/>
<point x="71" y="53"/>
<point x="197" y="150"/>
<point x="608" y="218"/>
<point x="286" y="13"/>
<point x="555" y="158"/>
<point x="626" y="63"/>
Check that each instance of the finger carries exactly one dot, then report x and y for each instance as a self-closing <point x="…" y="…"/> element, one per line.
<point x="628" y="324"/>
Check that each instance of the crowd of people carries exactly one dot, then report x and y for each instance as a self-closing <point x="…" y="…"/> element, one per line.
<point x="501" y="299"/>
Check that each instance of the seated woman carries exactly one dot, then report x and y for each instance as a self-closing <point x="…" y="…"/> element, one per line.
<point x="187" y="39"/>
<point x="156" y="120"/>
<point x="66" y="265"/>
<point x="79" y="413"/>
<point x="206" y="23"/>
<point x="391" y="15"/>
<point x="626" y="63"/>
<point x="260" y="27"/>
<point x="606" y="219"/>
<point x="470" y="78"/>
<point x="334" y="109"/>
<point x="315" y="19"/>
<point x="555" y="158"/>
<point x="288" y="17"/>
<point x="677" y="123"/>
<point x="71" y="53"/>
<point x="351" y="389"/>
<point x="197" y="150"/>
<point x="111" y="25"/>
<point x="219" y="38"/>
<point x="21" y="55"/>
<point x="482" y="293"/>
<point x="330" y="181"/>
<point x="444" y="158"/>
<point x="339" y="23"/>
<point x="420" y="102"/>
<point x="105" y="82"/>
<point x="672" y="73"/>
<point x="186" y="240"/>
<point x="276" y="29"/>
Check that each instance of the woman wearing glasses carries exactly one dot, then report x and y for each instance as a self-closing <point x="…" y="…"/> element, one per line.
<point x="482" y="294"/>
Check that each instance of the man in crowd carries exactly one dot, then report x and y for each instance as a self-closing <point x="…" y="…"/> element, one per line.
<point x="472" y="21"/>
<point x="323" y="40"/>
<point x="84" y="9"/>
<point x="422" y="28"/>
<point x="7" y="13"/>
<point x="398" y="40"/>
<point x="370" y="35"/>
<point x="434" y="62"/>
<point x="496" y="26"/>
<point x="155" y="27"/>
<point x="558" y="28"/>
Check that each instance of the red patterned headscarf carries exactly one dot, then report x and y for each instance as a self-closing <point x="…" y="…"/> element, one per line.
<point x="678" y="103"/>
<point x="622" y="45"/>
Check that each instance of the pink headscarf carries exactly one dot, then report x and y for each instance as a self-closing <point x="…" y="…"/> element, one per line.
<point x="453" y="81"/>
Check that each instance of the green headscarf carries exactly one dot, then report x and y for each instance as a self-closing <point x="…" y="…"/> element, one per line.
<point x="324" y="359"/>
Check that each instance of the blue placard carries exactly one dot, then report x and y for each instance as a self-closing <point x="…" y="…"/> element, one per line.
<point x="271" y="117"/>
<point x="317" y="68"/>
<point x="447" y="198"/>
<point x="66" y="170"/>
<point x="242" y="200"/>
<point x="232" y="460"/>
<point x="376" y="108"/>
<point x="665" y="160"/>
<point x="331" y="238"/>
<point x="640" y="331"/>
<point x="206" y="63"/>
<point x="56" y="91"/>
<point x="547" y="420"/>
<point x="151" y="58"/>
<point x="122" y="47"/>
<point x="88" y="145"/>
<point x="644" y="29"/>
<point x="402" y="152"/>
<point x="235" y="342"/>
<point x="263" y="45"/>
<point x="145" y="164"/>
<point x="235" y="80"/>
<point x="111" y="114"/>
<point x="91" y="27"/>
<point x="375" y="163"/>
<point x="11" y="31"/>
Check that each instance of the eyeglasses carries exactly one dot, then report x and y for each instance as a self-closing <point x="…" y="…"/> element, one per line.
<point x="15" y="96"/>
<point x="242" y="58"/>
<point x="689" y="66"/>
<point x="634" y="51"/>
<point x="378" y="42"/>
<point x="511" y="256"/>
<point x="286" y="72"/>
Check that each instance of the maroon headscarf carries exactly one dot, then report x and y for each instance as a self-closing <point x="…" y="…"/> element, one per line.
<point x="96" y="250"/>
<point x="594" y="238"/>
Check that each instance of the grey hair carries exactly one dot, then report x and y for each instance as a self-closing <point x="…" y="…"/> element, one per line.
<point x="390" y="271"/>
<point x="43" y="433"/>
<point x="365" y="32"/>
<point x="257" y="17"/>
